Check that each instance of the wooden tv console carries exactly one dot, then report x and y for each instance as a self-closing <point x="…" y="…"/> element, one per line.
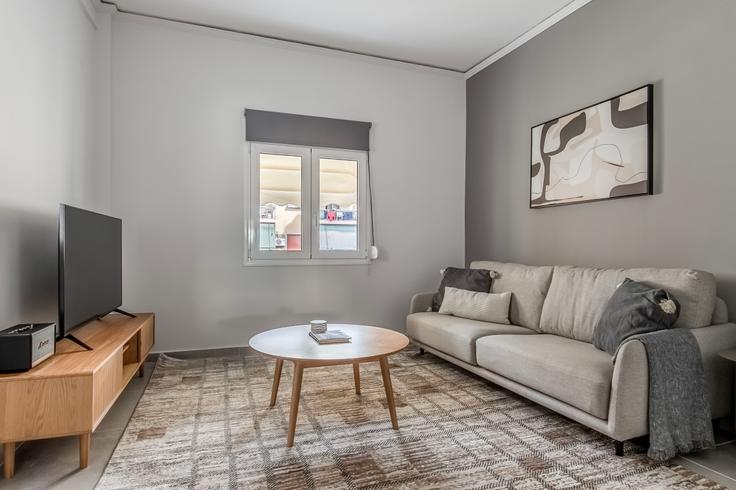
<point x="70" y="393"/>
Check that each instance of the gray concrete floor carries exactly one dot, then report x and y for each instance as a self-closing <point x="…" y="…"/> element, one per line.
<point x="718" y="464"/>
<point x="53" y="463"/>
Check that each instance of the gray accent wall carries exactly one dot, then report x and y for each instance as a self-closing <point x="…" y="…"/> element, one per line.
<point x="608" y="47"/>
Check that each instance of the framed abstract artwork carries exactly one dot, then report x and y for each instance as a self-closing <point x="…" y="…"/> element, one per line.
<point x="601" y="152"/>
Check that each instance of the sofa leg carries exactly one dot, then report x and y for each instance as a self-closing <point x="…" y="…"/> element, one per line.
<point x="619" y="445"/>
<point x="421" y="351"/>
<point x="642" y="441"/>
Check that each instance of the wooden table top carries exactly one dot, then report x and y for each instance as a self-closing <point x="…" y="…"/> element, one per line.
<point x="104" y="336"/>
<point x="729" y="354"/>
<point x="295" y="344"/>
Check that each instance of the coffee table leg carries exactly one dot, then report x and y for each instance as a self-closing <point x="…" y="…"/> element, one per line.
<point x="356" y="377"/>
<point x="389" y="392"/>
<point x="296" y="391"/>
<point x="276" y="381"/>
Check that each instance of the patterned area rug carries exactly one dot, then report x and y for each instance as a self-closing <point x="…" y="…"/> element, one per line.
<point x="206" y="424"/>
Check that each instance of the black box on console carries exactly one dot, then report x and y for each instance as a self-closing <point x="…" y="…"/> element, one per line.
<point x="26" y="345"/>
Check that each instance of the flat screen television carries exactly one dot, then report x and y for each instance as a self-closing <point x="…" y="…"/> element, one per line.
<point x="90" y="267"/>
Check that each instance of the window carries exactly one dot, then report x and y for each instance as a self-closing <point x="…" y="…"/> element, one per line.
<point x="306" y="205"/>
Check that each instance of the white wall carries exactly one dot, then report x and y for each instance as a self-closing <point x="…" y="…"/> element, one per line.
<point x="54" y="141"/>
<point x="178" y="98"/>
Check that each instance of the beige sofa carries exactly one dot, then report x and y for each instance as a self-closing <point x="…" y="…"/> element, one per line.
<point x="546" y="354"/>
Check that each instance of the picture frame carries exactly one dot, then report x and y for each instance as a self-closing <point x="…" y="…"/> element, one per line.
<point x="600" y="152"/>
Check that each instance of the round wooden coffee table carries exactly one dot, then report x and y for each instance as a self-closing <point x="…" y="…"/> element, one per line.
<point x="369" y="344"/>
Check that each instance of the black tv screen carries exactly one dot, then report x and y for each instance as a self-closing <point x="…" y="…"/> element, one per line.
<point x="90" y="266"/>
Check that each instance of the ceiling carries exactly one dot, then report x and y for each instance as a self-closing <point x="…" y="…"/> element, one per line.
<point x="450" y="34"/>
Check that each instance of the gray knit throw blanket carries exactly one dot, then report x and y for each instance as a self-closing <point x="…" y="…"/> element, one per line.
<point x="679" y="410"/>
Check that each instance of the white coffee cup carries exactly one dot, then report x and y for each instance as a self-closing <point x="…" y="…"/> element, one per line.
<point x="318" y="326"/>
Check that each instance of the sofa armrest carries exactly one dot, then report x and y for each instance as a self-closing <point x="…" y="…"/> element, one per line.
<point x="629" y="407"/>
<point x="420" y="302"/>
<point x="628" y="411"/>
<point x="718" y="371"/>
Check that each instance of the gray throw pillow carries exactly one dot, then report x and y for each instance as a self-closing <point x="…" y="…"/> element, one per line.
<point x="478" y="280"/>
<point x="635" y="308"/>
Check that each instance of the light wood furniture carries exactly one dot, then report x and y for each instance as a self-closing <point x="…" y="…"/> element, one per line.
<point x="369" y="344"/>
<point x="70" y="393"/>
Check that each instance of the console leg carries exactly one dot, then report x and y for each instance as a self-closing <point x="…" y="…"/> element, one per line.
<point x="619" y="445"/>
<point x="140" y="371"/>
<point x="84" y="450"/>
<point x="8" y="460"/>
<point x="421" y="351"/>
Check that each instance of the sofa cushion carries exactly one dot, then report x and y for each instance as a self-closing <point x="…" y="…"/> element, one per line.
<point x="486" y="307"/>
<point x="571" y="371"/>
<point x="578" y="295"/>
<point x="635" y="308"/>
<point x="528" y="284"/>
<point x="452" y="335"/>
<point x="468" y="279"/>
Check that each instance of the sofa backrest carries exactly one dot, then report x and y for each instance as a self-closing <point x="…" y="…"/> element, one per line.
<point x="720" y="312"/>
<point x="528" y="284"/>
<point x="577" y="296"/>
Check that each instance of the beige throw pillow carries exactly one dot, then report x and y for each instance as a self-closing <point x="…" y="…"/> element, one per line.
<point x="486" y="307"/>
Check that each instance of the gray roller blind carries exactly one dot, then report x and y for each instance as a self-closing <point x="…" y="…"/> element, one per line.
<point x="297" y="129"/>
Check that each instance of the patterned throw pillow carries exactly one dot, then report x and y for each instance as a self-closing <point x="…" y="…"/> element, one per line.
<point x="635" y="308"/>
<point x="486" y="307"/>
<point x="470" y="279"/>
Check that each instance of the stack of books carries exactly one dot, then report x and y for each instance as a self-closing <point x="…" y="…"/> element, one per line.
<point x="330" y="337"/>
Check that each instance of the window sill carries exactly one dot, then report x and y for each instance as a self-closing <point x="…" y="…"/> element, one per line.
<point x="304" y="262"/>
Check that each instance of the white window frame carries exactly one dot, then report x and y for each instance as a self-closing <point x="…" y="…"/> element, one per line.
<point x="310" y="253"/>
<point x="254" y="249"/>
<point x="361" y="249"/>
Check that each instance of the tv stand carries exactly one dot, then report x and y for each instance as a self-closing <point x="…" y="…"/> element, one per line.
<point x="78" y="342"/>
<point x="117" y="310"/>
<point x="123" y="312"/>
<point x="69" y="395"/>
